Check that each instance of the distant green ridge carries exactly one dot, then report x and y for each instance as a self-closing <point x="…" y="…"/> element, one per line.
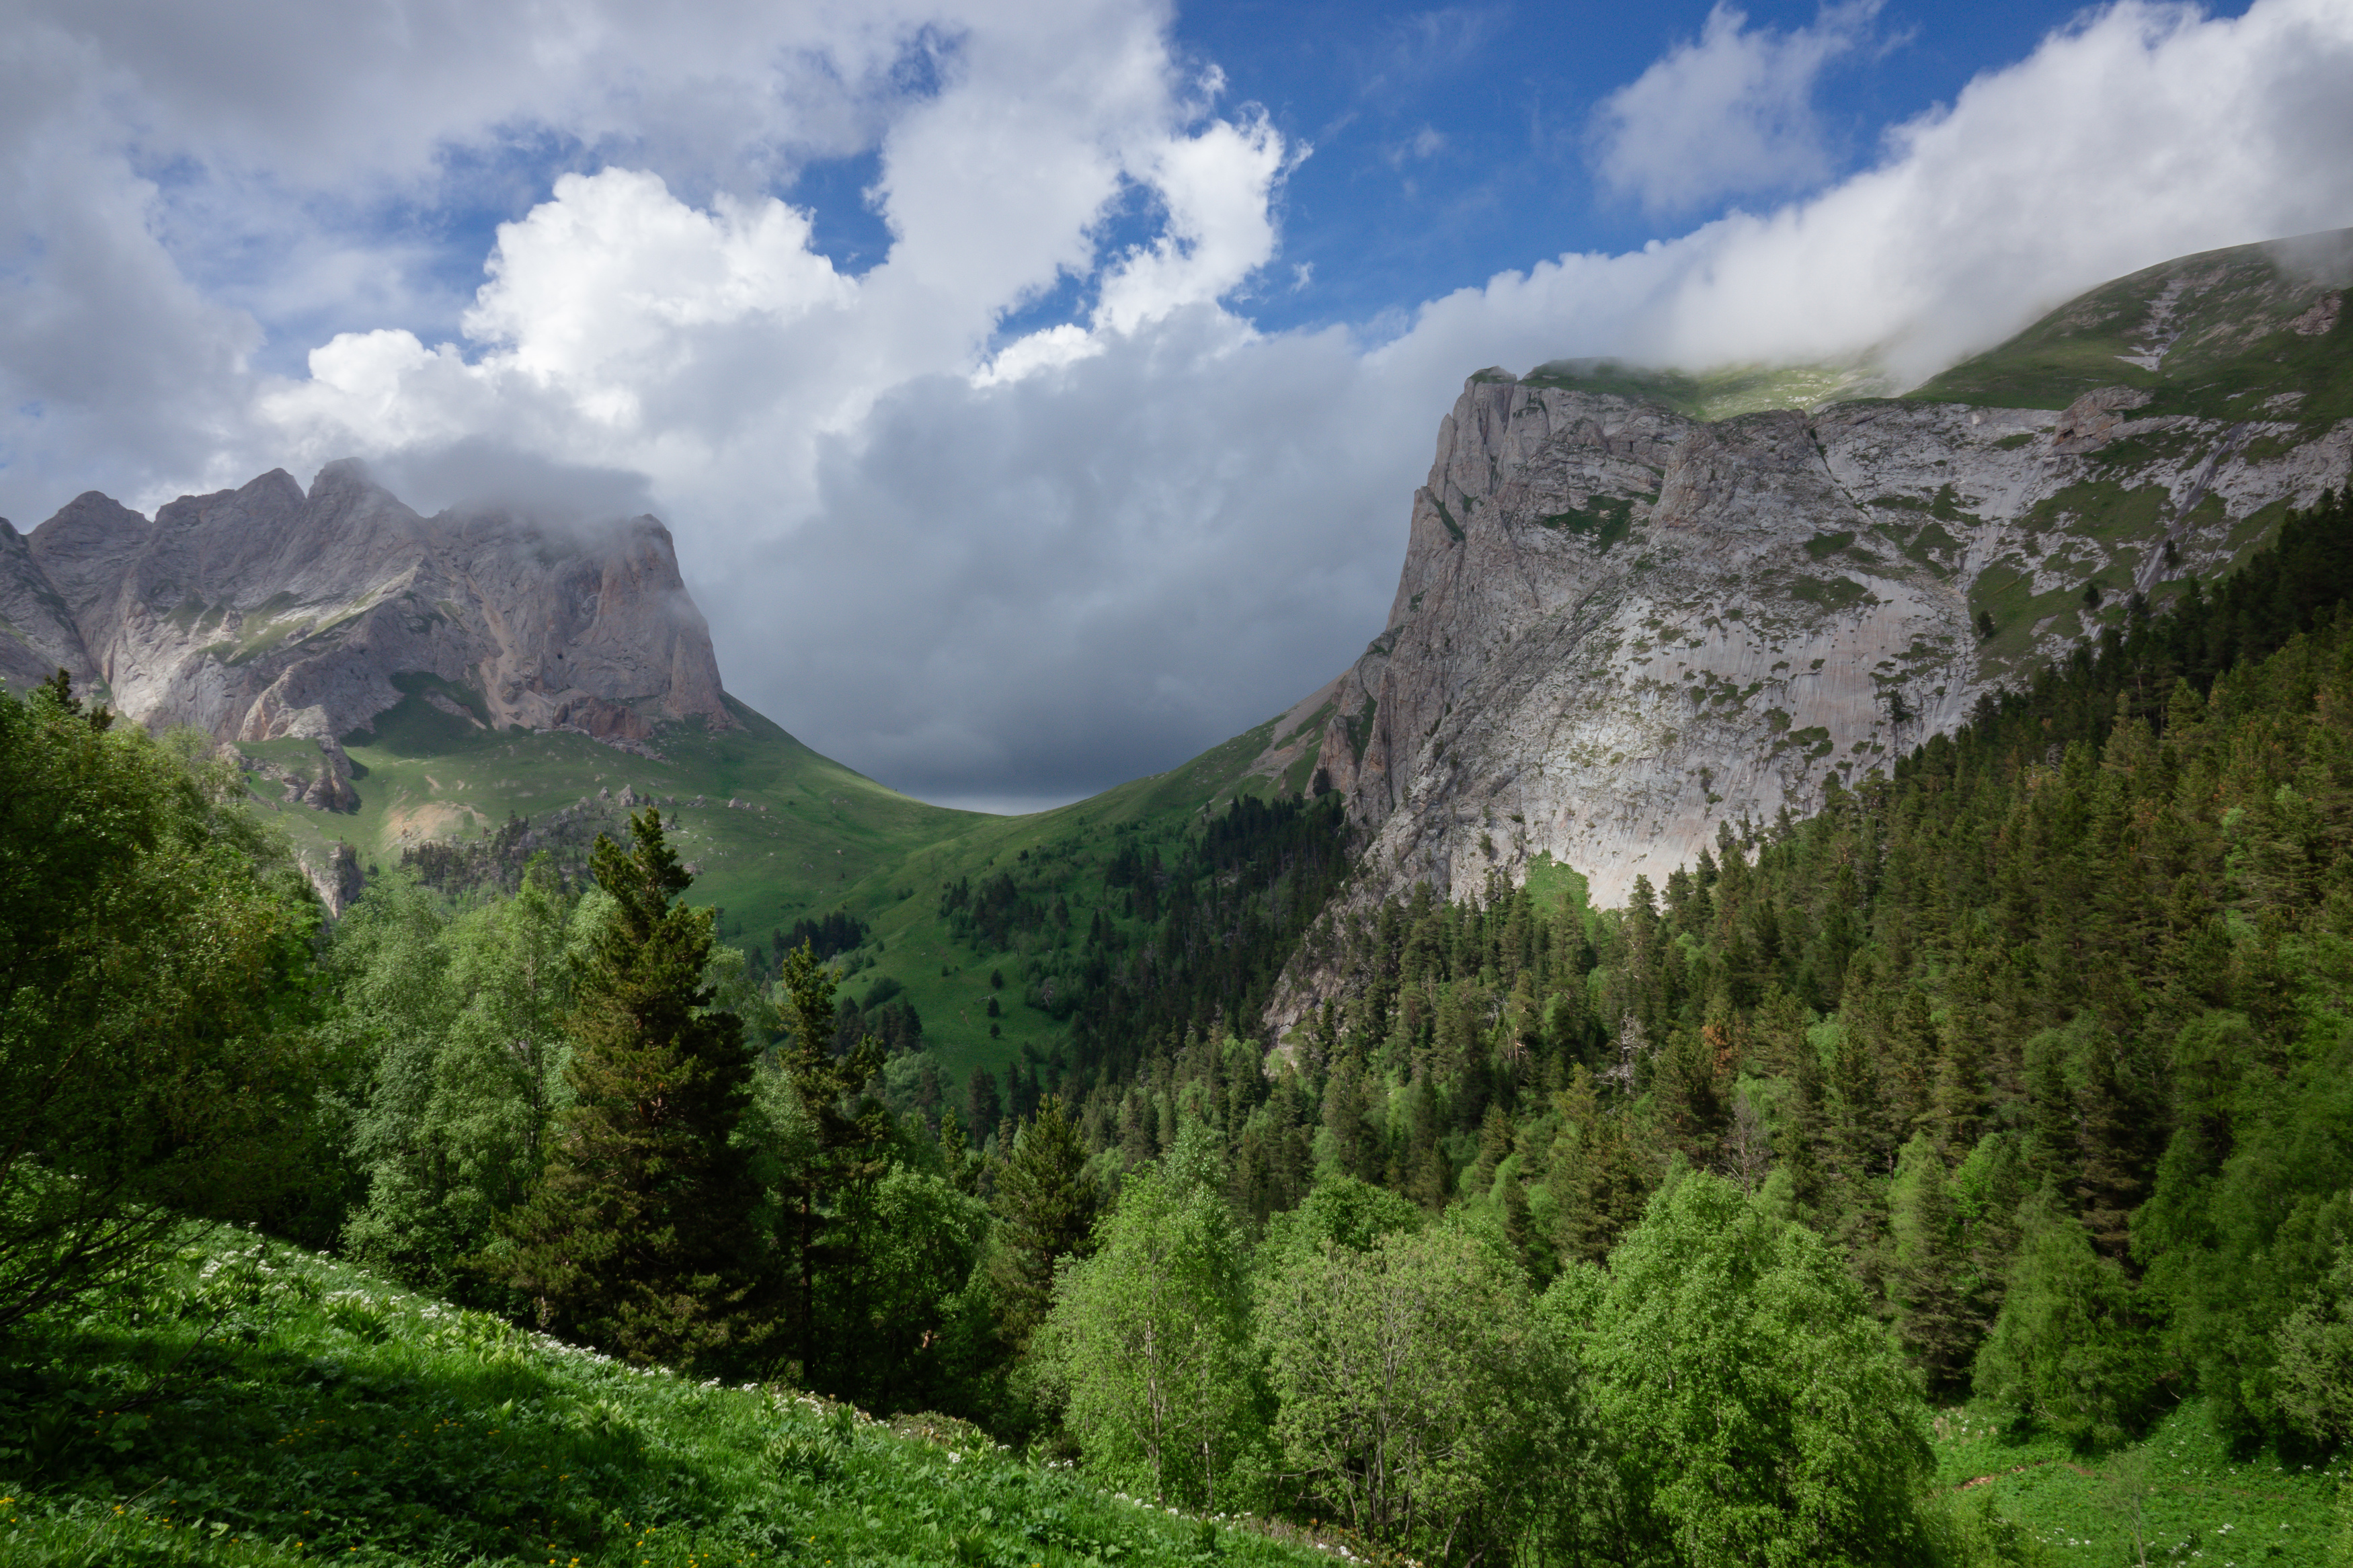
<point x="2253" y="332"/>
<point x="810" y="836"/>
<point x="1724" y="393"/>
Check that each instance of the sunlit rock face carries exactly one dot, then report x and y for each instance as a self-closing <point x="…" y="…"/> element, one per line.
<point x="266" y="612"/>
<point x="1620" y="626"/>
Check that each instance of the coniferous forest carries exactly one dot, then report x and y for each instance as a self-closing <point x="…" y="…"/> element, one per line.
<point x="2018" y="1079"/>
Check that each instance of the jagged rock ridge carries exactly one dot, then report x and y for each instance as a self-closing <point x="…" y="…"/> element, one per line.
<point x="1618" y="627"/>
<point x="265" y="612"/>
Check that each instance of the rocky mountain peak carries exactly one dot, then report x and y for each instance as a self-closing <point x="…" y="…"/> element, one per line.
<point x="1622" y="628"/>
<point x="269" y="612"/>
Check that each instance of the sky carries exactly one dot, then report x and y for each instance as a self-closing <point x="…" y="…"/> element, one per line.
<point x="1037" y="388"/>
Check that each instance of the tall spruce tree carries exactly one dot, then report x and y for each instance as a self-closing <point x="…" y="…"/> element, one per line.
<point x="1046" y="1211"/>
<point x="641" y="1237"/>
<point x="850" y="1131"/>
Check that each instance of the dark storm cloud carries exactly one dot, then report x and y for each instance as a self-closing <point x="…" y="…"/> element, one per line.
<point x="1043" y="588"/>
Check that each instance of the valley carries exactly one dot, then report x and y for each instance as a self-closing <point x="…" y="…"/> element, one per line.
<point x="1635" y="605"/>
<point x="1794" y="992"/>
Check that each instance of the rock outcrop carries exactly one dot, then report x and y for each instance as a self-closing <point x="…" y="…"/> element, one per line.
<point x="335" y="876"/>
<point x="1618" y="627"/>
<point x="265" y="613"/>
<point x="37" y="634"/>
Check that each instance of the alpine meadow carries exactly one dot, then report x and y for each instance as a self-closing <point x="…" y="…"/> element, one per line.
<point x="1793" y="1007"/>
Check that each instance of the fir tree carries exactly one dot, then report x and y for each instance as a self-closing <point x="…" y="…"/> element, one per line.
<point x="1045" y="1208"/>
<point x="641" y="1237"/>
<point x="1928" y="1267"/>
<point x="1912" y="1051"/>
<point x="850" y="1131"/>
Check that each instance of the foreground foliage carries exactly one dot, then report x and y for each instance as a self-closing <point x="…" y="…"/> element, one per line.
<point x="154" y="950"/>
<point x="267" y="1406"/>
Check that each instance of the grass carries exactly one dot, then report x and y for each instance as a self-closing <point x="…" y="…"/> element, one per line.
<point x="1830" y="594"/>
<point x="1062" y="853"/>
<point x="422" y="772"/>
<point x="2234" y="350"/>
<point x="2022" y="616"/>
<point x="1605" y="522"/>
<point x="271" y="1407"/>
<point x="819" y="837"/>
<point x="2195" y="1499"/>
<point x="1724" y="393"/>
<point x="2102" y="509"/>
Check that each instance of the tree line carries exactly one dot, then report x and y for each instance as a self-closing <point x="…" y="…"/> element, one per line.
<point x="2045" y="1034"/>
<point x="1558" y="1233"/>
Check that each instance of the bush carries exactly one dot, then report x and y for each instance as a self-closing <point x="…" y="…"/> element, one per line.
<point x="155" y="965"/>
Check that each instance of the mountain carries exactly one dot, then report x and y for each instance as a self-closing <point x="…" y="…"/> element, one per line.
<point x="1621" y="625"/>
<point x="264" y="613"/>
<point x="1635" y="604"/>
<point x="390" y="680"/>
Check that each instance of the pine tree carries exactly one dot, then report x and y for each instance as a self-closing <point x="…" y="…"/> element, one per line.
<point x="955" y="1154"/>
<point x="1355" y="1144"/>
<point x="1046" y="1208"/>
<point x="983" y="1105"/>
<point x="850" y="1132"/>
<point x="1494" y="1148"/>
<point x="1859" y="1114"/>
<point x="1927" y="1264"/>
<point x="1517" y="1229"/>
<point x="1958" y="1109"/>
<point x="641" y="1237"/>
<point x="1428" y="1176"/>
<point x="2114" y="1133"/>
<point x="1912" y="1054"/>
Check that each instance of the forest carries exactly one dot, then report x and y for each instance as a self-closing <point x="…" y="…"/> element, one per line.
<point x="2022" y="1074"/>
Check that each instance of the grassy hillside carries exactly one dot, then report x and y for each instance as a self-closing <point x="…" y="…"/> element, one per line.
<point x="269" y="1406"/>
<point x="811" y="837"/>
<point x="1721" y="393"/>
<point x="813" y="825"/>
<point x="2184" y="1489"/>
<point x="2247" y="333"/>
<point x="1062" y="854"/>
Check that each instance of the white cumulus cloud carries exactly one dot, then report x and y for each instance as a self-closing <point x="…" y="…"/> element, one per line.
<point x="1729" y="113"/>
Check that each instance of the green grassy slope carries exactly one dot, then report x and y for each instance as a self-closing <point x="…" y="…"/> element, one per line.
<point x="828" y="837"/>
<point x="1723" y="393"/>
<point x="2192" y="1494"/>
<point x="2237" y="327"/>
<point x="1060" y="853"/>
<point x="815" y="826"/>
<point x="283" y="1408"/>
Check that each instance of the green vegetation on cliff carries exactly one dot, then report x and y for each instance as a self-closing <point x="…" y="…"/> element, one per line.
<point x="2256" y="332"/>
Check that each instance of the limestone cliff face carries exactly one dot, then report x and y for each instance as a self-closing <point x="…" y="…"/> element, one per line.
<point x="1618" y="627"/>
<point x="266" y="612"/>
<point x="38" y="635"/>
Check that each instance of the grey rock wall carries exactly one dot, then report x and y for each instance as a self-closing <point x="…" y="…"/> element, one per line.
<point x="1617" y="629"/>
<point x="267" y="612"/>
